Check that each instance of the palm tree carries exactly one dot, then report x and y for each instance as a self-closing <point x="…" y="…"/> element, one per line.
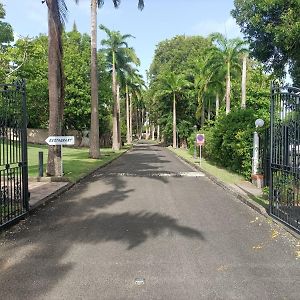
<point x="127" y="74"/>
<point x="226" y="55"/>
<point x="244" y="79"/>
<point x="135" y="87"/>
<point x="57" y="11"/>
<point x="119" y="54"/>
<point x="207" y="82"/>
<point x="173" y="84"/>
<point x="94" y="132"/>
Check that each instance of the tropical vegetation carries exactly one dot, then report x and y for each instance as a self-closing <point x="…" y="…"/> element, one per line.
<point x="214" y="85"/>
<point x="272" y="29"/>
<point x="205" y="75"/>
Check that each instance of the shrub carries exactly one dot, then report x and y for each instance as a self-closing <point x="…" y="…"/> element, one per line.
<point x="229" y="142"/>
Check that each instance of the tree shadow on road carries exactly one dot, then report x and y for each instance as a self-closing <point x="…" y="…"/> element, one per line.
<point x="35" y="253"/>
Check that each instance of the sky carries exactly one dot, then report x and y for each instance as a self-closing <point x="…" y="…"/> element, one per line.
<point x="160" y="20"/>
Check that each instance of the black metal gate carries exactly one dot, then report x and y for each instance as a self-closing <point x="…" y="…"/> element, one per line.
<point x="285" y="155"/>
<point x="13" y="153"/>
<point x="264" y="154"/>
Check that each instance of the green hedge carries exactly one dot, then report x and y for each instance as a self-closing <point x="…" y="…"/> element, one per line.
<point x="229" y="142"/>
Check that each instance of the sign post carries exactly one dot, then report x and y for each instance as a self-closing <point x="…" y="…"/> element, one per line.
<point x="60" y="141"/>
<point x="200" y="141"/>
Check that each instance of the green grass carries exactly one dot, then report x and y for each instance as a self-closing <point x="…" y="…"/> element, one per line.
<point x="220" y="173"/>
<point x="76" y="162"/>
<point x="262" y="201"/>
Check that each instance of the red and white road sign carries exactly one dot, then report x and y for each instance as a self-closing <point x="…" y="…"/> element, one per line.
<point x="200" y="139"/>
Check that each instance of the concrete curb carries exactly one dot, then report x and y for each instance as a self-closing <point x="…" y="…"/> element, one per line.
<point x="64" y="189"/>
<point x="248" y="201"/>
<point x="45" y="200"/>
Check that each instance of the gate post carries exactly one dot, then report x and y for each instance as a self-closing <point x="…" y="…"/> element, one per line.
<point x="22" y="87"/>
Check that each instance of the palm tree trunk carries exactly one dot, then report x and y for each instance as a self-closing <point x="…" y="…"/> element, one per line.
<point x="244" y="78"/>
<point x="208" y="110"/>
<point x="228" y="87"/>
<point x="94" y="132"/>
<point x="202" y="114"/>
<point x="130" y="117"/>
<point x="137" y="121"/>
<point x="119" y="115"/>
<point x="141" y="123"/>
<point x="127" y="117"/>
<point x="55" y="81"/>
<point x="115" y="137"/>
<point x="174" y="121"/>
<point x="153" y="132"/>
<point x="217" y="105"/>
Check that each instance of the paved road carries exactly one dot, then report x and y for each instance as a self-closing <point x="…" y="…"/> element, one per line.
<point x="148" y="215"/>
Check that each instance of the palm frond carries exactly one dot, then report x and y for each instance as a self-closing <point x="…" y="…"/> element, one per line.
<point x="126" y="36"/>
<point x="62" y="11"/>
<point x="105" y="29"/>
<point x="141" y="4"/>
<point x="116" y="3"/>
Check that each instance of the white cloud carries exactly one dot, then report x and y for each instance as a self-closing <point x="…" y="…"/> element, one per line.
<point x="229" y="28"/>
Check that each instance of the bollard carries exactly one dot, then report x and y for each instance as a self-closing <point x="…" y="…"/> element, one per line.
<point x="41" y="164"/>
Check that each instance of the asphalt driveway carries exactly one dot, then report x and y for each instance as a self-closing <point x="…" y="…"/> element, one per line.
<point x="148" y="226"/>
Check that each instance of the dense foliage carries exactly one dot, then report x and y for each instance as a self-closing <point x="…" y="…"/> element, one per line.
<point x="179" y="55"/>
<point x="30" y="59"/>
<point x="229" y="142"/>
<point x="272" y="28"/>
<point x="6" y="36"/>
<point x="205" y="64"/>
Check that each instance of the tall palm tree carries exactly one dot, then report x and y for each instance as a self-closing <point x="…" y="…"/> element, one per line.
<point x="173" y="84"/>
<point x="244" y="79"/>
<point x="118" y="53"/>
<point x="57" y="11"/>
<point x="207" y="82"/>
<point x="126" y="74"/>
<point x="135" y="87"/>
<point x="226" y="55"/>
<point x="94" y="132"/>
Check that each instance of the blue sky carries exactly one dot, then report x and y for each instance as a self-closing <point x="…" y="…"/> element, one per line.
<point x="160" y="19"/>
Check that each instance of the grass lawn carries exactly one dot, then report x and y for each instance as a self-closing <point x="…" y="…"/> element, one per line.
<point x="220" y="173"/>
<point x="76" y="162"/>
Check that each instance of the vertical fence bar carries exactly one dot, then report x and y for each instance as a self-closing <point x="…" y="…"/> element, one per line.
<point x="271" y="147"/>
<point x="24" y="147"/>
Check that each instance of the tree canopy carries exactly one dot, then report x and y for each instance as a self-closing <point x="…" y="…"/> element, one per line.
<point x="6" y="31"/>
<point x="272" y="28"/>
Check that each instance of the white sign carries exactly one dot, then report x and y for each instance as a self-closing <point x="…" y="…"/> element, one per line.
<point x="60" y="140"/>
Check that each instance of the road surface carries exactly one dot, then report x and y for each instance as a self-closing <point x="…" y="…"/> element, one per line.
<point x="148" y="226"/>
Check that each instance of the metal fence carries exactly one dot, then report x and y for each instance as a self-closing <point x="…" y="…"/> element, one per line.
<point x="264" y="155"/>
<point x="13" y="153"/>
<point x="285" y="155"/>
